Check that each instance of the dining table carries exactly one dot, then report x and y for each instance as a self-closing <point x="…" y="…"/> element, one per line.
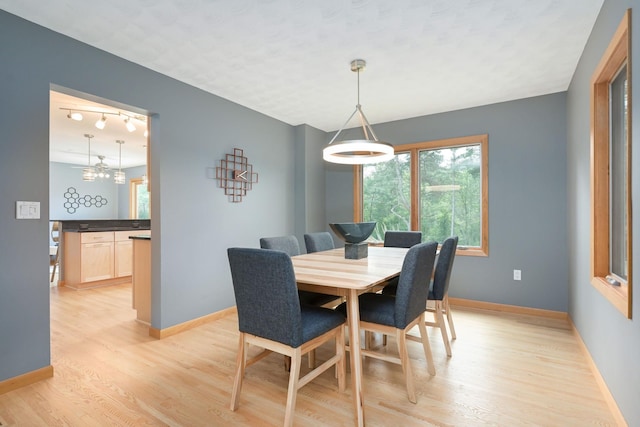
<point x="329" y="272"/>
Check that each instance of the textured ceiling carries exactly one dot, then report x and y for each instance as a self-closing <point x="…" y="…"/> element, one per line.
<point x="289" y="59"/>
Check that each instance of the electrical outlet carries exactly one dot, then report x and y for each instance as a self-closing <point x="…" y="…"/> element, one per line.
<point x="517" y="274"/>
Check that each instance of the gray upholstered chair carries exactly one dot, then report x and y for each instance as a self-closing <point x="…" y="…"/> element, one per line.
<point x="402" y="239"/>
<point x="399" y="239"/>
<point x="439" y="291"/>
<point x="391" y="315"/>
<point x="289" y="245"/>
<point x="270" y="316"/>
<point x="286" y="244"/>
<point x="318" y="242"/>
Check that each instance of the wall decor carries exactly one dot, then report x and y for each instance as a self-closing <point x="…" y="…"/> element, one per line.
<point x="74" y="200"/>
<point x="235" y="175"/>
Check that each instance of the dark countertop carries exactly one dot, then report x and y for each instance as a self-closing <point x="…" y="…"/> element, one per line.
<point x="141" y="237"/>
<point x="97" y="225"/>
<point x="99" y="229"/>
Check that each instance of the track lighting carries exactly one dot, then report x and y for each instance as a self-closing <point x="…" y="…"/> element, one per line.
<point x="129" y="125"/>
<point x="75" y="115"/>
<point x="101" y="122"/>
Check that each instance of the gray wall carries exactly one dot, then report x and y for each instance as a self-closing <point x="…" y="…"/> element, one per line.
<point x="63" y="176"/>
<point x="612" y="340"/>
<point x="309" y="182"/>
<point x="193" y="223"/>
<point x="527" y="198"/>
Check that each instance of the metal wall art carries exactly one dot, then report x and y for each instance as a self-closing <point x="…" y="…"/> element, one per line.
<point x="73" y="200"/>
<point x="235" y="175"/>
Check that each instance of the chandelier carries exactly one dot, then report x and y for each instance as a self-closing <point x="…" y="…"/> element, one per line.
<point x="358" y="151"/>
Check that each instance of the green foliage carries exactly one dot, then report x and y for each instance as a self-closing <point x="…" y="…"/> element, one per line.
<point x="450" y="194"/>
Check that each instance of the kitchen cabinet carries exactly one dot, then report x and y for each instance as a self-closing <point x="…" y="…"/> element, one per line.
<point x="123" y="251"/>
<point x="94" y="259"/>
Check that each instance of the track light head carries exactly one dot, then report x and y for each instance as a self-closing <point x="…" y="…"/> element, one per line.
<point x="129" y="125"/>
<point x="75" y="115"/>
<point x="101" y="122"/>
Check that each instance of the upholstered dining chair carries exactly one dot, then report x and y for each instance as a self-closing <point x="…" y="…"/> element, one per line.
<point x="318" y="242"/>
<point x="402" y="239"/>
<point x="270" y="316"/>
<point x="391" y="315"/>
<point x="439" y="291"/>
<point x="399" y="239"/>
<point x="289" y="245"/>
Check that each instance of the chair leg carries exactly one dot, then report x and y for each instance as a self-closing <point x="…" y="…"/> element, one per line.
<point x="426" y="346"/>
<point x="294" y="376"/>
<point x="241" y="361"/>
<point x="449" y="318"/>
<point x="443" y="328"/>
<point x="341" y="371"/>
<point x="311" y="356"/>
<point x="401" y="339"/>
<point x="287" y="363"/>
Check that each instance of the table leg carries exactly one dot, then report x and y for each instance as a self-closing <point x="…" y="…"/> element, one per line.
<point x="353" y="317"/>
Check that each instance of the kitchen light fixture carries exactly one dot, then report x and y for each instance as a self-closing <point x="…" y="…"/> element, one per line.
<point x="88" y="173"/>
<point x="358" y="151"/>
<point x="75" y="115"/>
<point x="118" y="176"/>
<point x="101" y="122"/>
<point x="102" y="169"/>
<point x="128" y="124"/>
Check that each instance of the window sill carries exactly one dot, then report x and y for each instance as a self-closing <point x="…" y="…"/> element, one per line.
<point x="617" y="295"/>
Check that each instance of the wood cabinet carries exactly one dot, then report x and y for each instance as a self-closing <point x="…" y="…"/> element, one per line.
<point x="93" y="259"/>
<point x="123" y="251"/>
<point x="142" y="279"/>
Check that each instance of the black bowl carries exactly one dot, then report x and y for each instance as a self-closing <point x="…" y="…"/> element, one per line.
<point x="353" y="232"/>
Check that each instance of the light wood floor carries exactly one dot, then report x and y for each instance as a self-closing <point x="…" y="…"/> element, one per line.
<point x="506" y="370"/>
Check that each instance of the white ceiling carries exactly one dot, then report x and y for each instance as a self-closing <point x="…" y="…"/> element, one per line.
<point x="67" y="143"/>
<point x="289" y="59"/>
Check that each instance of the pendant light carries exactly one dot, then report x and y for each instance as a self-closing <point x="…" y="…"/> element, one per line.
<point x="118" y="177"/>
<point x="88" y="173"/>
<point x="358" y="151"/>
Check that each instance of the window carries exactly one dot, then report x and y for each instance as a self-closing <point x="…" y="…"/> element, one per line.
<point x="437" y="187"/>
<point x="139" y="203"/>
<point x="611" y="172"/>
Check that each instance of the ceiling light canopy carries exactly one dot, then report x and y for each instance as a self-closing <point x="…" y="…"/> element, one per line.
<point x="358" y="151"/>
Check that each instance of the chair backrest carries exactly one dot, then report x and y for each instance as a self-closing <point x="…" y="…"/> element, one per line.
<point x="55" y="231"/>
<point x="413" y="284"/>
<point x="287" y="244"/>
<point x="266" y="294"/>
<point x="317" y="242"/>
<point x="402" y="239"/>
<point x="443" y="268"/>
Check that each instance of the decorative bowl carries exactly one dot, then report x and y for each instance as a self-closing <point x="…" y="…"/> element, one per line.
<point x="353" y="232"/>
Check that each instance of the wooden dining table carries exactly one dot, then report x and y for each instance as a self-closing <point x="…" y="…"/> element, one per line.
<point x="329" y="272"/>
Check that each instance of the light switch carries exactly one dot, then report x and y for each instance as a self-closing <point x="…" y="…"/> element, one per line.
<point x="27" y="210"/>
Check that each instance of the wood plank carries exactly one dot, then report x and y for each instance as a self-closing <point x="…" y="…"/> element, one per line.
<point x="507" y="369"/>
